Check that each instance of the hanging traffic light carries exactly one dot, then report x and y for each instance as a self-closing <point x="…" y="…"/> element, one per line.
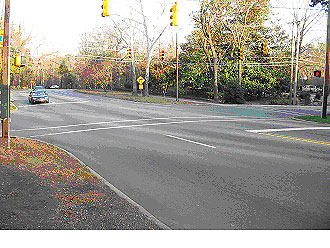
<point x="161" y="55"/>
<point x="317" y="73"/>
<point x="20" y="61"/>
<point x="174" y="16"/>
<point x="264" y="48"/>
<point x="105" y="8"/>
<point x="129" y="53"/>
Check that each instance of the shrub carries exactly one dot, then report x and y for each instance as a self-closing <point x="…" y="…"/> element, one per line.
<point x="233" y="93"/>
<point x="318" y="95"/>
<point x="304" y="95"/>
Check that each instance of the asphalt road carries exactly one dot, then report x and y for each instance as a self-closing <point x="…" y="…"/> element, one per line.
<point x="195" y="166"/>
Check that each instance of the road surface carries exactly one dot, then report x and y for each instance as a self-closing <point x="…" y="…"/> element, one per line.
<point x="195" y="166"/>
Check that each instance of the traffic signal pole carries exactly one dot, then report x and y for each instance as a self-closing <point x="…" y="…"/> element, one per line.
<point x="326" y="71"/>
<point x="5" y="87"/>
<point x="174" y="17"/>
<point x="177" y="65"/>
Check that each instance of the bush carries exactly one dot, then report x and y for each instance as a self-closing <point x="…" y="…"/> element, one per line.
<point x="306" y="98"/>
<point x="279" y="101"/>
<point x="233" y="93"/>
<point x="318" y="95"/>
<point x="304" y="95"/>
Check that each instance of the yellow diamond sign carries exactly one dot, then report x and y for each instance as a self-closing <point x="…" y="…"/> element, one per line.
<point x="140" y="80"/>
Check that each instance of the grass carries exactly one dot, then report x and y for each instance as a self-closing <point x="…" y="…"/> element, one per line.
<point x="314" y="118"/>
<point x="130" y="97"/>
<point x="12" y="107"/>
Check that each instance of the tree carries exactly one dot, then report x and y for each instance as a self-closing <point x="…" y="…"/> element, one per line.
<point x="324" y="3"/>
<point x="152" y="33"/>
<point x="227" y="25"/>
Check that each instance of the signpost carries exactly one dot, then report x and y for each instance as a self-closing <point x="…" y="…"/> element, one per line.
<point x="140" y="80"/>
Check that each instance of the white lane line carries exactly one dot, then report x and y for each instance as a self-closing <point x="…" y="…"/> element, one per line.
<point x="118" y="121"/>
<point x="129" y="126"/>
<point x="287" y="129"/>
<point x="57" y="103"/>
<point x="190" y="141"/>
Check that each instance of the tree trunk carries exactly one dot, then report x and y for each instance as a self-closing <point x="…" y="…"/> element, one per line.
<point x="215" y="81"/>
<point x="146" y="83"/>
<point x="134" y="79"/>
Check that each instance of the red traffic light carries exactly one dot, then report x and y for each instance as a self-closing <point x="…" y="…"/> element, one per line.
<point x="161" y="54"/>
<point x="317" y="73"/>
<point x="129" y="53"/>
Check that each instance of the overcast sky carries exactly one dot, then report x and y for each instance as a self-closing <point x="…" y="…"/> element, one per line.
<point x="58" y="24"/>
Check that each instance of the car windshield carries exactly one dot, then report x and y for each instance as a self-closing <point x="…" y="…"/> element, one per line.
<point x="39" y="92"/>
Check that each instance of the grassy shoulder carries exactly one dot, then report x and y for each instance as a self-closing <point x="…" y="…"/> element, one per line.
<point x="314" y="118"/>
<point x="12" y="107"/>
<point x="128" y="96"/>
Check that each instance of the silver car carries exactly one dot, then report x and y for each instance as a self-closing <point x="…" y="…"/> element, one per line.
<point x="38" y="95"/>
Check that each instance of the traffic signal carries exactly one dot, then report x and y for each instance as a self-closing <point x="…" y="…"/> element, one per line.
<point x="105" y="8"/>
<point x="19" y="61"/>
<point x="317" y="73"/>
<point x="161" y="55"/>
<point x="129" y="53"/>
<point x="264" y="48"/>
<point x="174" y="16"/>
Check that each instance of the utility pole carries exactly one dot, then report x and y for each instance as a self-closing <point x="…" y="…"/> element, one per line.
<point x="5" y="87"/>
<point x="326" y="71"/>
<point x="297" y="67"/>
<point x="292" y="63"/>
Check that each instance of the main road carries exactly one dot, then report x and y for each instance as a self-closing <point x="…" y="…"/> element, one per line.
<point x="195" y="166"/>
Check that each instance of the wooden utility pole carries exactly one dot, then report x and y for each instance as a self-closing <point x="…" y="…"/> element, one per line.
<point x="297" y="67"/>
<point x="292" y="63"/>
<point x="5" y="87"/>
<point x="326" y="71"/>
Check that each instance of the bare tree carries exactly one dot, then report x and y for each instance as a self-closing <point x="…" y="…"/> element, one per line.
<point x="152" y="33"/>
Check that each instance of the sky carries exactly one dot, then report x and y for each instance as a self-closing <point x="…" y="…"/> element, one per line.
<point x="57" y="25"/>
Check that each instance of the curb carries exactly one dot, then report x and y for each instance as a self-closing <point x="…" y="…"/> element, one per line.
<point x="117" y="191"/>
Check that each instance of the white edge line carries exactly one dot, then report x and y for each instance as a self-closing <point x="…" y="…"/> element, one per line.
<point x="191" y="141"/>
<point x="287" y="129"/>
